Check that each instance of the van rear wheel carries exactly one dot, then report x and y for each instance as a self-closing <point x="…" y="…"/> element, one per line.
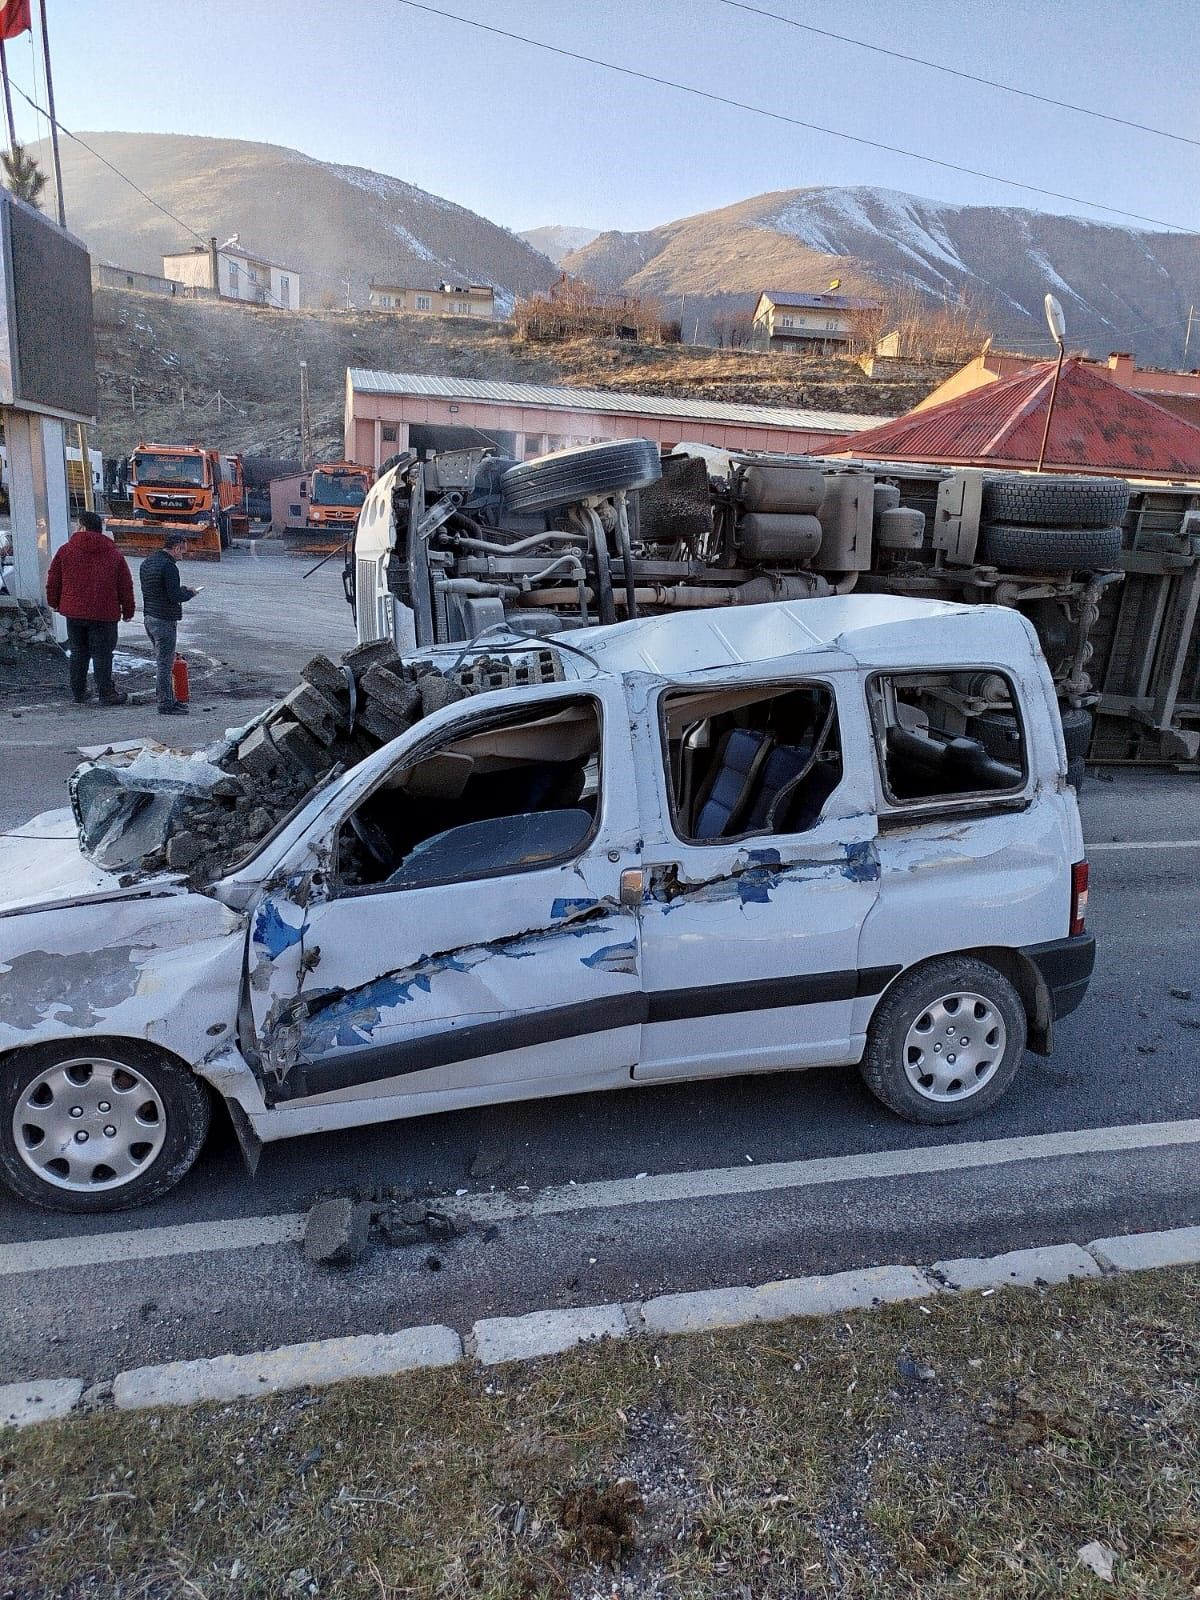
<point x="945" y="1041"/>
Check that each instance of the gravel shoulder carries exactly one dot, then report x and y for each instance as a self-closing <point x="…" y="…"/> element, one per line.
<point x="1016" y="1444"/>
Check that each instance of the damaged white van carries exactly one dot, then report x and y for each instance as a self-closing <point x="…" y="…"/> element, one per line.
<point x="832" y="832"/>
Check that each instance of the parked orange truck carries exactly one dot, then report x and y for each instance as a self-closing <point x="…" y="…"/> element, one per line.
<point x="198" y="492"/>
<point x="336" y="491"/>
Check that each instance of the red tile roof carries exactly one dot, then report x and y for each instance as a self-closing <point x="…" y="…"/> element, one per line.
<point x="1096" y="427"/>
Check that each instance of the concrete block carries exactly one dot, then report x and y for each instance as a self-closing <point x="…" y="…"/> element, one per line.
<point x="1133" y="1252"/>
<point x="545" y="1333"/>
<point x="787" y="1297"/>
<point x="329" y="679"/>
<point x="399" y="695"/>
<point x="39" y="1400"/>
<point x="1028" y="1269"/>
<point x="293" y="1366"/>
<point x="258" y="754"/>
<point x="382" y="723"/>
<point x="319" y="715"/>
<point x="299" y="746"/>
<point x="370" y="654"/>
<point x="437" y="692"/>
<point x="335" y="1234"/>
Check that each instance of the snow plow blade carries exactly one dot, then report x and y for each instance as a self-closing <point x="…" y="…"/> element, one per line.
<point x="316" y="541"/>
<point x="143" y="538"/>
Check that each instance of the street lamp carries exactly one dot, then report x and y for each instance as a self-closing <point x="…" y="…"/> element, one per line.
<point x="1056" y="322"/>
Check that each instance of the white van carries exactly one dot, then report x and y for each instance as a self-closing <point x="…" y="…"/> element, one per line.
<point x="734" y="841"/>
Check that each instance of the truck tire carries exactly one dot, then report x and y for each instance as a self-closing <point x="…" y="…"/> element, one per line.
<point x="146" y="1113"/>
<point x="945" y="1041"/>
<point x="566" y="476"/>
<point x="1019" y="548"/>
<point x="1055" y="502"/>
<point x="1077" y="733"/>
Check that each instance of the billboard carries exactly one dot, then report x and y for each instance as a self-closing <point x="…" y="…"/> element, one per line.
<point x="47" y="339"/>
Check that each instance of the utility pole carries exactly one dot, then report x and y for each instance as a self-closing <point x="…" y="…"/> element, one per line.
<point x="305" y="434"/>
<point x="1187" y="338"/>
<point x="58" y="183"/>
<point x="12" y="131"/>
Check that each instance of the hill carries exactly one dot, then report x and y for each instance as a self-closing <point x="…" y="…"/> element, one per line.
<point x="163" y="363"/>
<point x="1121" y="288"/>
<point x="330" y="222"/>
<point x="558" y="240"/>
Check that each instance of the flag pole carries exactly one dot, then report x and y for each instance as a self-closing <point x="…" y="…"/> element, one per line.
<point x="58" y="183"/>
<point x="12" y="131"/>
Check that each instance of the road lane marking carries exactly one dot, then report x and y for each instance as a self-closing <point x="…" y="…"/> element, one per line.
<point x="1144" y="844"/>
<point x="240" y="1233"/>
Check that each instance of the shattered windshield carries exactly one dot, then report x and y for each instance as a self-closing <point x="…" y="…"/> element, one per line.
<point x="161" y="469"/>
<point x="338" y="489"/>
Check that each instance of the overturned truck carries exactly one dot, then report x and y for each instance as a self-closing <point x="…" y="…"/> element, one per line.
<point x="467" y="544"/>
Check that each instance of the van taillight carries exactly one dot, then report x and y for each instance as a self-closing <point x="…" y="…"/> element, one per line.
<point x="1079" y="896"/>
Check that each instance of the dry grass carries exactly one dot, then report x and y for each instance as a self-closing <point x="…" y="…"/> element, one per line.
<point x="814" y="1458"/>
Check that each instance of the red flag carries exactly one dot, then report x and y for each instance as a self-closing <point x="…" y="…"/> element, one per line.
<point x="14" y="18"/>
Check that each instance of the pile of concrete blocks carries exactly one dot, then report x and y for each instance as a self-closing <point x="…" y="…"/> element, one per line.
<point x="335" y="716"/>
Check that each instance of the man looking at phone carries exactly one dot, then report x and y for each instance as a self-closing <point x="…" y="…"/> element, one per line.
<point x="163" y="598"/>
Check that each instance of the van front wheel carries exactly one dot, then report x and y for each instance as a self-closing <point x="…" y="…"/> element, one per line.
<point x="945" y="1041"/>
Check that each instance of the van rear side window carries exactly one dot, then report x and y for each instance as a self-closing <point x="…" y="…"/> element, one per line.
<point x="947" y="735"/>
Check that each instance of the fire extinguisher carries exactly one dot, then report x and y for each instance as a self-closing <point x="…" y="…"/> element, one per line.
<point x="179" y="680"/>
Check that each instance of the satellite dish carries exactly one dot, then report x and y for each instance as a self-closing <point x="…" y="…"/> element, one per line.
<point x="1055" y="320"/>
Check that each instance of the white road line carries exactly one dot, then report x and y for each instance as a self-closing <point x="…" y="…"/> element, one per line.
<point x="712" y="1183"/>
<point x="142" y="1244"/>
<point x="1144" y="844"/>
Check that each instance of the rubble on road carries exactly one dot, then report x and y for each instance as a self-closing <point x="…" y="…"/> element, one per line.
<point x="198" y="815"/>
<point x="22" y="625"/>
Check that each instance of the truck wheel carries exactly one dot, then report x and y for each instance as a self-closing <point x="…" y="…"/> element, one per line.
<point x="1017" y="548"/>
<point x="1054" y="502"/>
<point x="565" y="476"/>
<point x="1077" y="733"/>
<point x="100" y="1125"/>
<point x="945" y="1041"/>
<point x="223" y="530"/>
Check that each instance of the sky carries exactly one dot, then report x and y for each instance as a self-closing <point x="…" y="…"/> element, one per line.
<point x="526" y="138"/>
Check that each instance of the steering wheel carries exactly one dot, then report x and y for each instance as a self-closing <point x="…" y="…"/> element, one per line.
<point x="373" y="840"/>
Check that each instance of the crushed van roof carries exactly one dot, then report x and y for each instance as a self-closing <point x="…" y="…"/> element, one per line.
<point x="869" y="629"/>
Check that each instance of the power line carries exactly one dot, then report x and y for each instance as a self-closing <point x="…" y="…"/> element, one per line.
<point x="779" y="116"/>
<point x="955" y="72"/>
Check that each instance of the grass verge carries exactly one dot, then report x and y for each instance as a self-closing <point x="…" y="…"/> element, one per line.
<point x="968" y="1446"/>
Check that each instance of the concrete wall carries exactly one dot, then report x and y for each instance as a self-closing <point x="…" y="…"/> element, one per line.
<point x="288" y="506"/>
<point x="106" y="277"/>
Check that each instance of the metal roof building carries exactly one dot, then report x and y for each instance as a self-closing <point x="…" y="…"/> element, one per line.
<point x="391" y="411"/>
<point x="1096" y="426"/>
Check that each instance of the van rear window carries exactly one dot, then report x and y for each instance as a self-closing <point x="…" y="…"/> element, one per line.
<point x="947" y="735"/>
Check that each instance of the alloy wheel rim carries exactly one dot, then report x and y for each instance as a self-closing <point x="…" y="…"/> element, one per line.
<point x="954" y="1047"/>
<point x="89" y="1124"/>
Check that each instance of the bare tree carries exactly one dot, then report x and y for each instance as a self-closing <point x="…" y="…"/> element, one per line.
<point x="23" y="176"/>
<point x="916" y="328"/>
<point x="572" y="309"/>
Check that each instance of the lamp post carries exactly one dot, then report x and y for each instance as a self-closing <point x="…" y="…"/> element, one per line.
<point x="1058" y="328"/>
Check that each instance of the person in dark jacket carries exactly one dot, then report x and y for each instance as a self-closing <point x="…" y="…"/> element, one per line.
<point x="90" y="586"/>
<point x="163" y="598"/>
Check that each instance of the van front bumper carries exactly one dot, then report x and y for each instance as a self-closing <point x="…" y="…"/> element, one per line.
<point x="1066" y="969"/>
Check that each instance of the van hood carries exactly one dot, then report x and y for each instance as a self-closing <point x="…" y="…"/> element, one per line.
<point x="41" y="864"/>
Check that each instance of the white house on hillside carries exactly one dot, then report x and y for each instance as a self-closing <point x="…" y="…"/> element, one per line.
<point x="235" y="273"/>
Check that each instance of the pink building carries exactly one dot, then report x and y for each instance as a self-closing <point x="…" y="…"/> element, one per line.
<point x="387" y="412"/>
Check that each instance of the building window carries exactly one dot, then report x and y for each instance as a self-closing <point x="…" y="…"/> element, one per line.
<point x="831" y="325"/>
<point x="785" y="322"/>
<point x="422" y="302"/>
<point x="388" y="433"/>
<point x="252" y="274"/>
<point x="233" y="278"/>
<point x="285" y="291"/>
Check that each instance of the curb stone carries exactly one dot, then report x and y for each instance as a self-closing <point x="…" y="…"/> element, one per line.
<point x="293" y="1366"/>
<point x="40" y="1400"/>
<point x="545" y="1333"/>
<point x="498" y="1339"/>
<point x="1027" y="1269"/>
<point x="1133" y="1252"/>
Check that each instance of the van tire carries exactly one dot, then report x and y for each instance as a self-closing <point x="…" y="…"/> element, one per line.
<point x="928" y="993"/>
<point x="1015" y="547"/>
<point x="566" y="476"/>
<point x="182" y="1101"/>
<point x="1051" y="502"/>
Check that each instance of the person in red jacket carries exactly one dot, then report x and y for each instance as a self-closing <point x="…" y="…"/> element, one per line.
<point x="90" y="585"/>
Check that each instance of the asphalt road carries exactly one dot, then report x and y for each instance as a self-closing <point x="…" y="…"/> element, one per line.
<point x="673" y="1157"/>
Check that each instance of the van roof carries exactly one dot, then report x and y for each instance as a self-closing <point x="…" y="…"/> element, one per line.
<point x="869" y="630"/>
